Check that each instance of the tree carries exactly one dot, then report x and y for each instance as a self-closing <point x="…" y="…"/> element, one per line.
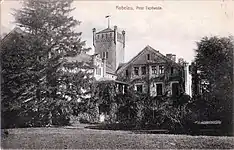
<point x="214" y="61"/>
<point x="50" y="33"/>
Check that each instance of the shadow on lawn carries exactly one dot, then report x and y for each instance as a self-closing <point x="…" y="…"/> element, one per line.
<point x="128" y="127"/>
<point x="151" y="129"/>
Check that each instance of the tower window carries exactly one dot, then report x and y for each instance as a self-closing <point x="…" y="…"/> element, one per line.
<point x="143" y="70"/>
<point x="98" y="71"/>
<point x="136" y="71"/>
<point x="148" y="56"/>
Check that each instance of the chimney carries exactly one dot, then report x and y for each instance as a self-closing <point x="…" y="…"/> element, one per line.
<point x="181" y="61"/>
<point x="171" y="57"/>
<point x="94" y="37"/>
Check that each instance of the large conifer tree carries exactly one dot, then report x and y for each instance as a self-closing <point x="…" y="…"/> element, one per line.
<point x="50" y="33"/>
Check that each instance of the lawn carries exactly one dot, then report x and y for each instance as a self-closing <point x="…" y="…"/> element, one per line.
<point x="81" y="138"/>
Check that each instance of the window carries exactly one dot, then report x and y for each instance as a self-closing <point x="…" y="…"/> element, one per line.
<point x="175" y="89"/>
<point x="172" y="70"/>
<point x="102" y="36"/>
<point x="161" y="69"/>
<point x="143" y="70"/>
<point x="139" y="88"/>
<point x="127" y="73"/>
<point x="105" y="55"/>
<point x="159" y="89"/>
<point x="136" y="71"/>
<point x="98" y="72"/>
<point x="98" y="36"/>
<point x="154" y="69"/>
<point x="148" y="56"/>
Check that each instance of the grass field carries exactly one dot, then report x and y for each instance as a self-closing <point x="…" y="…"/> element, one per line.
<point x="80" y="138"/>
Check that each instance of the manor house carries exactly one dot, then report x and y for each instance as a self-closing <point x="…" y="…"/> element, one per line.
<point x="149" y="71"/>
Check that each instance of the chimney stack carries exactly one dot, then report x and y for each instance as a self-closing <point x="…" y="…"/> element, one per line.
<point x="171" y="57"/>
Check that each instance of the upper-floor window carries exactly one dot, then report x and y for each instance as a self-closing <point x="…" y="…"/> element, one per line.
<point x="143" y="70"/>
<point x="136" y="71"/>
<point x="102" y="36"/>
<point x="98" y="36"/>
<point x="148" y="56"/>
<point x="161" y="69"/>
<point x="172" y="70"/>
<point x="126" y="73"/>
<point x="154" y="69"/>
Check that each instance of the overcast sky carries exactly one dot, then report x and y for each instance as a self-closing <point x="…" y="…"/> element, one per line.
<point x="173" y="29"/>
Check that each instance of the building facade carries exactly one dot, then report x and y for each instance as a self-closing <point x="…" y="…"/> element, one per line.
<point x="153" y="73"/>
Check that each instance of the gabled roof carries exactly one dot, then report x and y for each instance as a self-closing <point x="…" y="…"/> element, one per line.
<point x="106" y="30"/>
<point x="147" y="48"/>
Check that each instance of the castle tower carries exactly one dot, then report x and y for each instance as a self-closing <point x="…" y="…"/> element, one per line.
<point x="110" y="44"/>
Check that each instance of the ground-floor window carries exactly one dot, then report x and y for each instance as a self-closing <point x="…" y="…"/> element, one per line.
<point x="175" y="89"/>
<point x="139" y="88"/>
<point x="159" y="89"/>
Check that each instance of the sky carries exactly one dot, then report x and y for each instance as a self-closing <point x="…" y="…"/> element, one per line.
<point x="175" y="28"/>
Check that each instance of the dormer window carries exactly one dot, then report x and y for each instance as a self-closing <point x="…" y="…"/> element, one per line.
<point x="148" y="56"/>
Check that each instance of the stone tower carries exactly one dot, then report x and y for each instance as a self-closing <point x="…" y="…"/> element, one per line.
<point x="110" y="44"/>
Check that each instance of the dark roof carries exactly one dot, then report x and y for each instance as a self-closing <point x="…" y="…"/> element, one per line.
<point x="106" y="30"/>
<point x="104" y="79"/>
<point x="109" y="69"/>
<point x="82" y="57"/>
<point x="120" y="65"/>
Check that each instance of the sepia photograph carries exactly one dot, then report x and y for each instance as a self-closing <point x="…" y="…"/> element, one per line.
<point x="102" y="74"/>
